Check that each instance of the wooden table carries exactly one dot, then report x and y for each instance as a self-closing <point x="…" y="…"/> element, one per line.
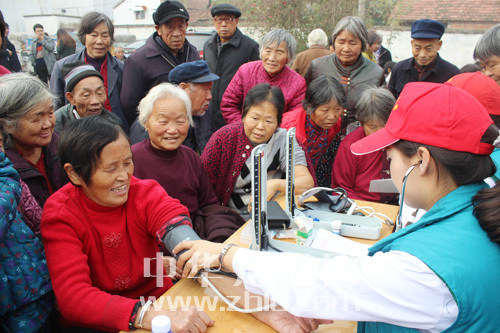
<point x="236" y="322"/>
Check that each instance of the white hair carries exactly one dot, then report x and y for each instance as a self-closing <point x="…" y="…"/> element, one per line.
<point x="162" y="90"/>
<point x="317" y="37"/>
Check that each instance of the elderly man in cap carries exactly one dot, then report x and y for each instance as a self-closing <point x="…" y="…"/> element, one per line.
<point x="225" y="52"/>
<point x="195" y="78"/>
<point x="86" y="95"/>
<point x="426" y="64"/>
<point x="164" y="50"/>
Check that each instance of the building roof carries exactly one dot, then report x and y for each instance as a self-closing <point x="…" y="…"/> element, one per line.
<point x="448" y="10"/>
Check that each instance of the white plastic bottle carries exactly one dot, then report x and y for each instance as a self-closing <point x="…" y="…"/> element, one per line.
<point x="161" y="324"/>
<point x="337" y="227"/>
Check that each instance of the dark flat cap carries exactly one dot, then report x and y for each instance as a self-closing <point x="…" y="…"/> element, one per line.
<point x="426" y="28"/>
<point x="225" y="8"/>
<point x="168" y="10"/>
<point x="194" y="71"/>
<point x="74" y="72"/>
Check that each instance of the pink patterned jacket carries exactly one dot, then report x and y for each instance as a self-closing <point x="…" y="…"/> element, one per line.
<point x="252" y="73"/>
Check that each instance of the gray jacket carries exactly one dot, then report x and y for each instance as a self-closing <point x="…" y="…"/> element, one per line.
<point x="239" y="50"/>
<point x="48" y="53"/>
<point x="65" y="114"/>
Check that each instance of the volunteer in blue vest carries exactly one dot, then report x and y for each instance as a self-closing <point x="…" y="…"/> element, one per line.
<point x="438" y="274"/>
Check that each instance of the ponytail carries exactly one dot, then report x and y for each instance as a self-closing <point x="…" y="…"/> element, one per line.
<point x="487" y="211"/>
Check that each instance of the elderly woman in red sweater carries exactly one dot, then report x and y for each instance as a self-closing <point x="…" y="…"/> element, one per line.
<point x="99" y="229"/>
<point x="227" y="159"/>
<point x="355" y="172"/>
<point x="277" y="49"/>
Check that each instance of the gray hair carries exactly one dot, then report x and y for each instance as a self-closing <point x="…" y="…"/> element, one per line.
<point x="19" y="94"/>
<point x="163" y="90"/>
<point x="355" y="26"/>
<point x="277" y="36"/>
<point x="92" y="20"/>
<point x="375" y="103"/>
<point x="488" y="45"/>
<point x="373" y="37"/>
<point x="317" y="37"/>
<point x="323" y="90"/>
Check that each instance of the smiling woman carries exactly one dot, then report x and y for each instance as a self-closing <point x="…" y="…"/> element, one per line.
<point x="166" y="114"/>
<point x="27" y="119"/>
<point x="100" y="230"/>
<point x="226" y="157"/>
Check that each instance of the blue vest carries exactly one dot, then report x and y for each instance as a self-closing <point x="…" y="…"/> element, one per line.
<point x="495" y="156"/>
<point x="450" y="241"/>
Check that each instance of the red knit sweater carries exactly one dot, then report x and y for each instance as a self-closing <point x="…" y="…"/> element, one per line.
<point x="96" y="254"/>
<point x="355" y="172"/>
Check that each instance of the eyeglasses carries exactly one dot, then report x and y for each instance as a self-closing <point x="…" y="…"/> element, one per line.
<point x="219" y="20"/>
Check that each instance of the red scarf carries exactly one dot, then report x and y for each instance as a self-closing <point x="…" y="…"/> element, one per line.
<point x="104" y="73"/>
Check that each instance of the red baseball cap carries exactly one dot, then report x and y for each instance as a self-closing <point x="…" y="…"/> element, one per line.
<point x="482" y="87"/>
<point x="434" y="114"/>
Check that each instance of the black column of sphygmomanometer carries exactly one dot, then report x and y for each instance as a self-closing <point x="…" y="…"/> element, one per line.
<point x="176" y="234"/>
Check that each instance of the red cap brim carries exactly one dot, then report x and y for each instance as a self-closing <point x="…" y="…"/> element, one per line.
<point x="373" y="142"/>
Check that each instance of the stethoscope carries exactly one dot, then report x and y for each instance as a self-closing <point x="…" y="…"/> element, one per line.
<point x="399" y="222"/>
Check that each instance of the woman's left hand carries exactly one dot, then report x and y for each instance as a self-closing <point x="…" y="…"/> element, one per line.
<point x="199" y="254"/>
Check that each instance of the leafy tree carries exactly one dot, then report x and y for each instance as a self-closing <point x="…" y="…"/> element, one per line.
<point x="300" y="17"/>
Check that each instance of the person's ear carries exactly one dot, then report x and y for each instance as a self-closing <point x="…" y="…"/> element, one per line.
<point x="157" y="27"/>
<point x="424" y="160"/>
<point x="70" y="97"/>
<point x="440" y="43"/>
<point x="73" y="176"/>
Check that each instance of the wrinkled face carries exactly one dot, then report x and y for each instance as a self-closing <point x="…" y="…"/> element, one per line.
<point x="88" y="96"/>
<point x="491" y="67"/>
<point x="225" y="25"/>
<point x="173" y="33"/>
<point x="119" y="53"/>
<point x="347" y="47"/>
<point x="98" y="41"/>
<point x="200" y="95"/>
<point x="274" y="58"/>
<point x="327" y="115"/>
<point x="261" y="122"/>
<point x="168" y="124"/>
<point x="425" y="50"/>
<point x="372" y="126"/>
<point x="110" y="182"/>
<point x="39" y="32"/>
<point x="35" y="128"/>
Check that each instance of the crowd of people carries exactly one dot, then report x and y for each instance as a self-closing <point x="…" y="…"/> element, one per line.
<point x="103" y="156"/>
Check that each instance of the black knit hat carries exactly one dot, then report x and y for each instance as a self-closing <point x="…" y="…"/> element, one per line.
<point x="74" y="72"/>
<point x="168" y="10"/>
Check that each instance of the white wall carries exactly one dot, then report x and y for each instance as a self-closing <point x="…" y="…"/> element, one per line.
<point x="457" y="48"/>
<point x="51" y="23"/>
<point x="15" y="10"/>
<point x="124" y="14"/>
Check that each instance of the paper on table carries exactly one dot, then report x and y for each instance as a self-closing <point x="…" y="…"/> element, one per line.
<point x="329" y="241"/>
